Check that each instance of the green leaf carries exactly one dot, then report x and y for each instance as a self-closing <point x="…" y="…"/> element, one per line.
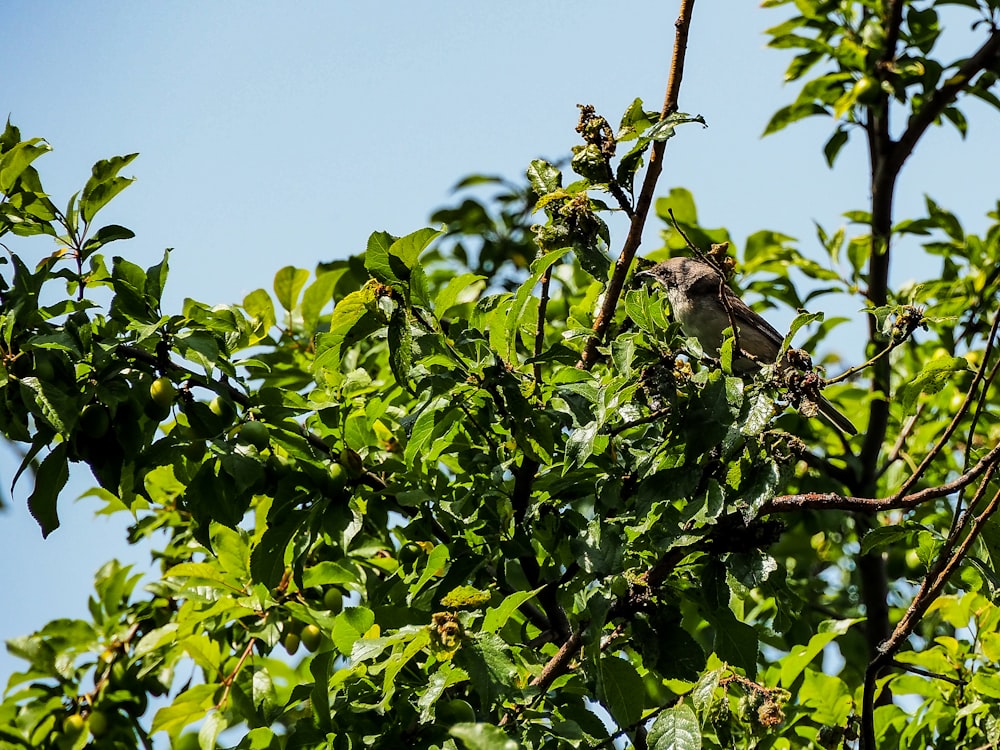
<point x="620" y="689"/>
<point x="665" y="128"/>
<point x="187" y="708"/>
<point x="260" y="308"/>
<point x="833" y="146"/>
<point x="496" y="617"/>
<point x="328" y="572"/>
<point x="792" y="113"/>
<point x="703" y="694"/>
<point x="827" y="699"/>
<point x="935" y="375"/>
<point x="320" y="670"/>
<point x="50" y="478"/>
<point x="884" y="536"/>
<point x="377" y="261"/>
<point x="51" y="403"/>
<point x="516" y="317"/>
<point x="543" y="177"/>
<point x="580" y="446"/>
<point x="288" y="282"/>
<point x="317" y="296"/>
<point x="215" y="723"/>
<point x="800" y="657"/>
<point x="156" y="279"/>
<point x="349" y="626"/>
<point x="408" y="249"/>
<point x="103" y="185"/>
<point x="267" y="561"/>
<point x="462" y="288"/>
<point x="417" y="641"/>
<point x="129" y="281"/>
<point x="490" y="669"/>
<point x="675" y="729"/>
<point x="400" y="347"/>
<point x="436" y="560"/>
<point x="16" y="160"/>
<point x="735" y="642"/>
<point x="987" y="684"/>
<point x="105" y="236"/>
<point x="801" y="320"/>
<point x="483" y="737"/>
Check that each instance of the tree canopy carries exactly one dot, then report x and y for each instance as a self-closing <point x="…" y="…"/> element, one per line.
<point x="474" y="487"/>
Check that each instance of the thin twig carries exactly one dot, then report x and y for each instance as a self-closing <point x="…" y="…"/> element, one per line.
<point x="543" y="302"/>
<point x="634" y="238"/>
<point x="928" y="592"/>
<point x="864" y="365"/>
<point x="953" y="425"/>
<point x="835" y="501"/>
<point x="897" y="448"/>
<point x="227" y="682"/>
<point x="936" y="103"/>
<point x="980" y="408"/>
<point x="926" y="673"/>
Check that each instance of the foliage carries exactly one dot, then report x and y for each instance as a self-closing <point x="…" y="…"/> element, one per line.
<point x="396" y="504"/>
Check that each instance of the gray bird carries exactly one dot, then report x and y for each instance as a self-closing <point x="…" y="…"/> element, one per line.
<point x="696" y="292"/>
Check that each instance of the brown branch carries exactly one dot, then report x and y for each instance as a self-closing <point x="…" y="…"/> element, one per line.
<point x="927" y="673"/>
<point x="835" y="501"/>
<point x="943" y="96"/>
<point x="540" y="327"/>
<point x="895" y="22"/>
<point x="887" y="158"/>
<point x="559" y="663"/>
<point x="904" y="434"/>
<point x="227" y="682"/>
<point x="953" y="425"/>
<point x="638" y="223"/>
<point x="926" y="595"/>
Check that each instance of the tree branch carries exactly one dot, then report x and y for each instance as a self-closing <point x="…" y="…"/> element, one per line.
<point x="943" y="96"/>
<point x="835" y="501"/>
<point x="953" y="425"/>
<point x="933" y="582"/>
<point x="632" y="241"/>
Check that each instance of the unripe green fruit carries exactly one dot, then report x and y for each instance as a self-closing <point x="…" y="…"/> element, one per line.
<point x="867" y="90"/>
<point x="338" y="477"/>
<point x="221" y="408"/>
<point x="255" y="434"/>
<point x="333" y="600"/>
<point x="291" y="642"/>
<point x="95" y="420"/>
<point x="454" y="711"/>
<point x="73" y="725"/>
<point x="99" y="723"/>
<point x="312" y="637"/>
<point x="162" y="392"/>
<point x="195" y="450"/>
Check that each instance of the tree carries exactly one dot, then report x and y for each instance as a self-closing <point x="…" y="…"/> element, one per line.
<point x="496" y="495"/>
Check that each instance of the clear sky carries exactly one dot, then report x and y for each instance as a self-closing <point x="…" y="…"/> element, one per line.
<point x="279" y="133"/>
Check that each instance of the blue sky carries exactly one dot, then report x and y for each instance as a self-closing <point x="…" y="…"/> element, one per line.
<point x="274" y="134"/>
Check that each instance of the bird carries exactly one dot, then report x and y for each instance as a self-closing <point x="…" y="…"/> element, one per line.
<point x="705" y="306"/>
